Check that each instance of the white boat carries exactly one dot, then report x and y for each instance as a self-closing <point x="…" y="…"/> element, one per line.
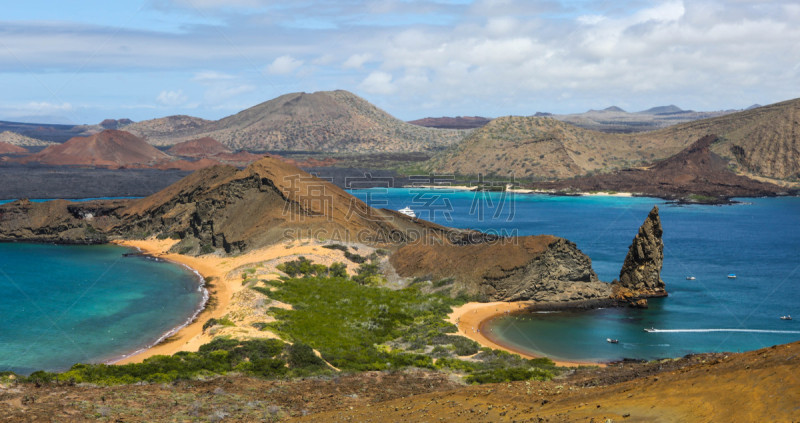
<point x="650" y="329"/>
<point x="731" y="276"/>
<point x="408" y="212"/>
<point x="612" y="341"/>
<point x="690" y="278"/>
<point x="786" y="317"/>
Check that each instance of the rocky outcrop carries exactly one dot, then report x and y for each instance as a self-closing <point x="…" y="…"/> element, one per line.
<point x="641" y="273"/>
<point x="540" y="268"/>
<point x="59" y="221"/>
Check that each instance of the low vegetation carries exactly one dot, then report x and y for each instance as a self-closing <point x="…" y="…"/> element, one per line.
<point x="266" y="358"/>
<point x="356" y="326"/>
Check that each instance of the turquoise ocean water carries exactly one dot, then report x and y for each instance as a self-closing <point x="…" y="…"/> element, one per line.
<point x="758" y="240"/>
<point x="67" y="304"/>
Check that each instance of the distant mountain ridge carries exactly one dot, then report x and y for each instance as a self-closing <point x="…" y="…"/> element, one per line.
<point x="763" y="141"/>
<point x="331" y="121"/>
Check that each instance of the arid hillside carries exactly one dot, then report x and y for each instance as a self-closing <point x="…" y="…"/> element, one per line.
<point x="110" y="148"/>
<point x="763" y="141"/>
<point x="756" y="386"/>
<point x="695" y="173"/>
<point x="330" y="121"/>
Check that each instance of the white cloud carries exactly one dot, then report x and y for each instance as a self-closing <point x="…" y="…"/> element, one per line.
<point x="45" y="107"/>
<point x="211" y="76"/>
<point x="356" y="61"/>
<point x="171" y="98"/>
<point x="378" y="83"/>
<point x="284" y="65"/>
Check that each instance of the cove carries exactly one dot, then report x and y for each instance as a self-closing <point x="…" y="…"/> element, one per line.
<point x="67" y="304"/>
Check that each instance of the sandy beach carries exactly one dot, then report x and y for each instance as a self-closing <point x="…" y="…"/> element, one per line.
<point x="228" y="296"/>
<point x="472" y="317"/>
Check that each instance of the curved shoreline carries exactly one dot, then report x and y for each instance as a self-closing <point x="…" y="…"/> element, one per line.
<point x="472" y="318"/>
<point x="199" y="310"/>
<point x="188" y="336"/>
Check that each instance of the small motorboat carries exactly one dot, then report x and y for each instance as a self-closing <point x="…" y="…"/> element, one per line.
<point x="408" y="212"/>
<point x="690" y="278"/>
<point x="612" y="341"/>
<point x="651" y="329"/>
<point x="732" y="276"/>
<point x="786" y="317"/>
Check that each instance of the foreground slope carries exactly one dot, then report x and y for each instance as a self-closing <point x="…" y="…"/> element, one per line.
<point x="756" y="386"/>
<point x="330" y="121"/>
<point x="764" y="141"/>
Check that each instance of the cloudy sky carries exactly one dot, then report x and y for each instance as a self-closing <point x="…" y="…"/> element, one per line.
<point x="84" y="61"/>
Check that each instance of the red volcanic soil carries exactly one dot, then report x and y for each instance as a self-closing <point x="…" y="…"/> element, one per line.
<point x="199" y="148"/>
<point x="6" y="148"/>
<point x="459" y="122"/>
<point x="110" y="148"/>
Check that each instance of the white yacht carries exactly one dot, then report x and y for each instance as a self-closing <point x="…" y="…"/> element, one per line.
<point x="408" y="212"/>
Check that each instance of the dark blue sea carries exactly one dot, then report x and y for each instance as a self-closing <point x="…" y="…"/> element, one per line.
<point x="61" y="305"/>
<point x="758" y="240"/>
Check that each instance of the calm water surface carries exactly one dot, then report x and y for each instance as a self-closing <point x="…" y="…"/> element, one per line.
<point x="67" y="304"/>
<point x="758" y="240"/>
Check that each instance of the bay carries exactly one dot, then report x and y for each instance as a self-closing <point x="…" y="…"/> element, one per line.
<point x="757" y="239"/>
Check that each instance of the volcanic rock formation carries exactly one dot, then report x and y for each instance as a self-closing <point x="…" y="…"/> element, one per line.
<point x="641" y="272"/>
<point x="229" y="211"/>
<point x="540" y="268"/>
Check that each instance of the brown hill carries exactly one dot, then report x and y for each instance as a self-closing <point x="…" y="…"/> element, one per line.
<point x="763" y="141"/>
<point x="755" y="386"/>
<point x="458" y="122"/>
<point x="199" y="148"/>
<point x="110" y="148"/>
<point x="6" y="148"/>
<point x="695" y="171"/>
<point x="328" y="121"/>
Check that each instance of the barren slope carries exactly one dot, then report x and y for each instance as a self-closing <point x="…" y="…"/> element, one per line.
<point x="110" y="148"/>
<point x="323" y="121"/>
<point x="757" y="386"/>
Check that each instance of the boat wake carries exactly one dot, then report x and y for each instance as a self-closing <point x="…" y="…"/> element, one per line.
<point x="722" y="330"/>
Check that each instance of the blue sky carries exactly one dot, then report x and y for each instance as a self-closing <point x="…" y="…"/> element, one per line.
<point x="84" y="61"/>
